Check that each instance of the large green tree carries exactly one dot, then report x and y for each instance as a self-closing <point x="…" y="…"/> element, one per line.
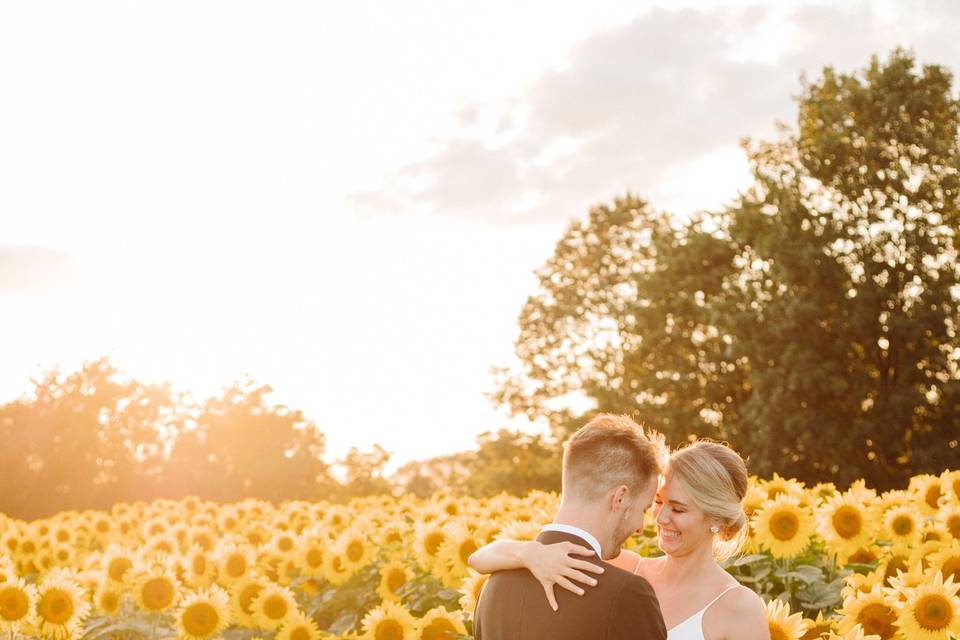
<point x="812" y="324"/>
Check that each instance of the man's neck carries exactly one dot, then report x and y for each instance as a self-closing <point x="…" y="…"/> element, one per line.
<point x="585" y="521"/>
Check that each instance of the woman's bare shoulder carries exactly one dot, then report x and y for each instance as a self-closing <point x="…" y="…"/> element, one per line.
<point x="626" y="560"/>
<point x="740" y="613"/>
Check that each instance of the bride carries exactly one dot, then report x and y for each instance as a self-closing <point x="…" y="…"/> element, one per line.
<point x="700" y="522"/>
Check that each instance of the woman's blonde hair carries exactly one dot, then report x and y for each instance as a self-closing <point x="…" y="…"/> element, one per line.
<point x="715" y="476"/>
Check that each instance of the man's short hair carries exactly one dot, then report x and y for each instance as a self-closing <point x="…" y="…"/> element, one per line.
<point x="607" y="452"/>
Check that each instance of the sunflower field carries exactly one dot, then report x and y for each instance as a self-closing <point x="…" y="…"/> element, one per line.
<point x="830" y="564"/>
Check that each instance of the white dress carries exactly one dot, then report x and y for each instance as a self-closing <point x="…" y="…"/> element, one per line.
<point x="692" y="627"/>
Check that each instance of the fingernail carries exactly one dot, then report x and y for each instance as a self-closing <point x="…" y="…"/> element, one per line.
<point x="593" y="583"/>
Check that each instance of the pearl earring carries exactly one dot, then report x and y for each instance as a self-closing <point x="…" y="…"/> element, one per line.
<point x="714" y="529"/>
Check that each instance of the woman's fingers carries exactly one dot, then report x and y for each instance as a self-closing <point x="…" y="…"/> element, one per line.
<point x="586" y="566"/>
<point x="569" y="586"/>
<point x="579" y="576"/>
<point x="551" y="598"/>
<point x="579" y="550"/>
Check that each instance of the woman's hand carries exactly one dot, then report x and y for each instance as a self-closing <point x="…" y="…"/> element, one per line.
<point x="554" y="564"/>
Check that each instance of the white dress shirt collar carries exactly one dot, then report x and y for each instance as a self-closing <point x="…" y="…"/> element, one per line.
<point x="576" y="531"/>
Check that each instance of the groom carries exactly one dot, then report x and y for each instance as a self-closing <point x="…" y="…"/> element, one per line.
<point x="610" y="473"/>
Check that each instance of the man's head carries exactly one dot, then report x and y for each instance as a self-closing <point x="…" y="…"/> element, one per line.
<point x="610" y="474"/>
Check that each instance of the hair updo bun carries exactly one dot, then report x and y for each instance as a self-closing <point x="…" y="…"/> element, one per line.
<point x="715" y="476"/>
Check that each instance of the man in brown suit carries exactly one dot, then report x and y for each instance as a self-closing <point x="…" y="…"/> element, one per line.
<point x="610" y="475"/>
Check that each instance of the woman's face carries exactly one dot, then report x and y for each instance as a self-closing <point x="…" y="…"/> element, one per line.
<point x="681" y="525"/>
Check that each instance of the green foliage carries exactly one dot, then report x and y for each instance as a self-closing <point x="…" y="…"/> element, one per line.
<point x="810" y="583"/>
<point x="819" y="309"/>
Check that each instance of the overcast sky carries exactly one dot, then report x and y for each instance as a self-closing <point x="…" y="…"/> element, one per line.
<point x="347" y="200"/>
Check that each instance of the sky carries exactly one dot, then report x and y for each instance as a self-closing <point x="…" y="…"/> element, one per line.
<point x="347" y="201"/>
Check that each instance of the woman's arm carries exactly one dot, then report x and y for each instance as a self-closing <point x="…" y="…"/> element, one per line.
<point x="550" y="564"/>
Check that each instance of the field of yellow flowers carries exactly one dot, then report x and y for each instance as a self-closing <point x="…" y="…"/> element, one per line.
<point x="831" y="564"/>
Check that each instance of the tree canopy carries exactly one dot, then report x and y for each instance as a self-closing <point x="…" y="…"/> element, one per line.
<point x="811" y="323"/>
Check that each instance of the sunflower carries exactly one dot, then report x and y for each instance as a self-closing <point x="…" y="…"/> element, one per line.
<point x="927" y="489"/>
<point x="256" y="533"/>
<point x="861" y="555"/>
<point x="949" y="517"/>
<point x="950" y="482"/>
<point x="202" y="614"/>
<point x="198" y="567"/>
<point x="18" y="606"/>
<point x="356" y="550"/>
<point x="337" y="517"/>
<point x="233" y="562"/>
<point x="287" y="571"/>
<point x="823" y="491"/>
<point x="284" y="543"/>
<point x="844" y="524"/>
<point x="116" y="563"/>
<point x="61" y="606"/>
<point x="440" y="624"/>
<point x="776" y="486"/>
<point x="389" y="621"/>
<point x="783" y="526"/>
<point x="894" y="560"/>
<point x="856" y="633"/>
<point x="946" y="560"/>
<point x="429" y="537"/>
<point x="873" y="612"/>
<point x="814" y="629"/>
<point x="783" y="625"/>
<point x="299" y="626"/>
<point x="155" y="588"/>
<point x="899" y="588"/>
<point x="162" y="544"/>
<point x="108" y="597"/>
<point x="64" y="555"/>
<point x="470" y="590"/>
<point x="932" y="611"/>
<point x="459" y="545"/>
<point x="920" y="554"/>
<point x="202" y="536"/>
<point x="900" y="524"/>
<point x="393" y="575"/>
<point x="273" y="605"/>
<point x="242" y="596"/>
<point x="392" y="534"/>
<point x="8" y="571"/>
<point x="335" y="568"/>
<point x="309" y="557"/>
<point x="518" y="530"/>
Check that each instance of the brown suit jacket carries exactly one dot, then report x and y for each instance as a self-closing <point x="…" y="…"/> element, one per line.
<point x="622" y="606"/>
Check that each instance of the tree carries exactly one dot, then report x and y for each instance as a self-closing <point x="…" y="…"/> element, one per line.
<point x="513" y="462"/>
<point x="77" y="439"/>
<point x="363" y="473"/>
<point x="812" y="324"/>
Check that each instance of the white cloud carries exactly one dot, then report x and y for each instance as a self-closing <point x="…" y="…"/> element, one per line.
<point x="643" y="103"/>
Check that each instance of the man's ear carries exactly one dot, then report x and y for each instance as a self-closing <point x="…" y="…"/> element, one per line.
<point x="619" y="497"/>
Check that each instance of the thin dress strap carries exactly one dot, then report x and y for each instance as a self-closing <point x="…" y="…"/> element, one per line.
<point x="733" y="586"/>
<point x="637" y="568"/>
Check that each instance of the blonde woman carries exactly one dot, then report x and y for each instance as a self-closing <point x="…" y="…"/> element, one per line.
<point x="700" y="521"/>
